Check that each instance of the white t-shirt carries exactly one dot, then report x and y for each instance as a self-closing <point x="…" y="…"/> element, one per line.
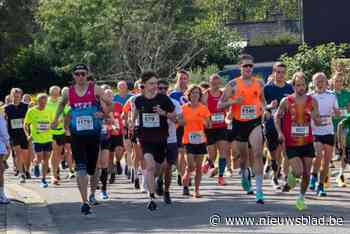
<point x="327" y="102"/>
<point x="171" y="125"/>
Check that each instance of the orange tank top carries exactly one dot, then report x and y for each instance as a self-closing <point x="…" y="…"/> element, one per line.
<point x="250" y="107"/>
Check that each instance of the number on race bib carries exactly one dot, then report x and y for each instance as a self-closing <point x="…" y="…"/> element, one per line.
<point x="84" y="123"/>
<point x="300" y="131"/>
<point x="196" y="138"/>
<point x="16" y="123"/>
<point x="43" y="126"/>
<point x="326" y="120"/>
<point x="150" y="120"/>
<point x="218" y="118"/>
<point x="248" y="112"/>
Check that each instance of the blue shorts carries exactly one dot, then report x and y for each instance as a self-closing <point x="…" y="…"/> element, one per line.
<point x="42" y="147"/>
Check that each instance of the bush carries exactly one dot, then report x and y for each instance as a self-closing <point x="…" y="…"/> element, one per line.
<point x="280" y="39"/>
<point x="313" y="59"/>
<point x="199" y="74"/>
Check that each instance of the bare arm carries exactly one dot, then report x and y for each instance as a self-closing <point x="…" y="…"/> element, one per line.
<point x="225" y="101"/>
<point x="315" y="114"/>
<point x="204" y="99"/>
<point x="106" y="105"/>
<point x="61" y="105"/>
<point x="279" y="114"/>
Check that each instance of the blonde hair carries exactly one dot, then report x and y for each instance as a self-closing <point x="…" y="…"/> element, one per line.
<point x="41" y="95"/>
<point x="54" y="87"/>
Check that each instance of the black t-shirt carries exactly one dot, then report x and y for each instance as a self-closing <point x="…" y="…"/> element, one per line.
<point x="15" y="118"/>
<point x="153" y="127"/>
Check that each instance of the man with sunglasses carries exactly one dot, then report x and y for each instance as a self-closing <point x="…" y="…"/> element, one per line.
<point x="245" y="96"/>
<point x="87" y="105"/>
<point x="172" y="148"/>
<point x="152" y="111"/>
<point x="274" y="92"/>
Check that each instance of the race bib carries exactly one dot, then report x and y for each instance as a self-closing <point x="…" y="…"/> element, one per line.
<point x="248" y="112"/>
<point x="218" y="118"/>
<point x="343" y="112"/>
<point x="229" y="126"/>
<point x="116" y="125"/>
<point x="196" y="138"/>
<point x="84" y="123"/>
<point x="150" y="120"/>
<point x="16" y="123"/>
<point x="273" y="111"/>
<point x="326" y="120"/>
<point x="300" y="131"/>
<point x="43" y="126"/>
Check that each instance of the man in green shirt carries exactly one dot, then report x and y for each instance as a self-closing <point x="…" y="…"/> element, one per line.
<point x="343" y="98"/>
<point x="37" y="128"/>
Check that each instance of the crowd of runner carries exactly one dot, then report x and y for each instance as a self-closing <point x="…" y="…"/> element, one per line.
<point x="289" y="129"/>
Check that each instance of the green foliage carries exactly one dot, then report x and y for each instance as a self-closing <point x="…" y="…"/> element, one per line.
<point x="311" y="60"/>
<point x="280" y="39"/>
<point x="199" y="74"/>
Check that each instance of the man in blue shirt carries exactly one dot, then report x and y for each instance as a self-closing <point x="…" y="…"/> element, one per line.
<point x="123" y="93"/>
<point x="274" y="91"/>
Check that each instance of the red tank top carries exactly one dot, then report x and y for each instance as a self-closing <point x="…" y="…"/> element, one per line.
<point x="87" y="100"/>
<point x="296" y="124"/>
<point x="117" y="128"/>
<point x="217" y="116"/>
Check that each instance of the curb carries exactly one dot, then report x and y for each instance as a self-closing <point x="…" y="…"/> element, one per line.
<point x="38" y="218"/>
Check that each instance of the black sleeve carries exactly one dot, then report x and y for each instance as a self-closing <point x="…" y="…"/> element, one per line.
<point x="137" y="103"/>
<point x="168" y="105"/>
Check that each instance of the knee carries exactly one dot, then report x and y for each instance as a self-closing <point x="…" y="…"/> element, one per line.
<point x="81" y="170"/>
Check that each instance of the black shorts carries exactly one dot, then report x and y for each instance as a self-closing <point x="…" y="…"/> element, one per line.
<point x="19" y="140"/>
<point x="158" y="150"/>
<point x="85" y="151"/>
<point x="112" y="142"/>
<point x="179" y="136"/>
<point x="272" y="141"/>
<point x="231" y="134"/>
<point x="42" y="147"/>
<point x="171" y="153"/>
<point x="304" y="151"/>
<point x="135" y="136"/>
<point x="196" y="149"/>
<point x="325" y="139"/>
<point x="59" y="139"/>
<point x="216" y="134"/>
<point x="67" y="139"/>
<point x="243" y="129"/>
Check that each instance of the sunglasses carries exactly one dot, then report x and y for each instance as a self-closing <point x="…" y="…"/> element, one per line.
<point x="247" y="65"/>
<point x="80" y="73"/>
<point x="163" y="88"/>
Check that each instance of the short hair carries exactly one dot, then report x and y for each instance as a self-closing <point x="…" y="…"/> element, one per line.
<point x="204" y="85"/>
<point x="41" y="95"/>
<point x="182" y="71"/>
<point x="317" y="74"/>
<point x="296" y="75"/>
<point x="54" y="87"/>
<point x="245" y="57"/>
<point x="147" y="75"/>
<point x="190" y="90"/>
<point x="163" y="82"/>
<point x="16" y="90"/>
<point x="278" y="64"/>
<point x="213" y="76"/>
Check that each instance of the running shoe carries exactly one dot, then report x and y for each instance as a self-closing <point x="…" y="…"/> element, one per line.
<point x="166" y="198"/>
<point x="312" y="183"/>
<point x="43" y="183"/>
<point x="205" y="168"/>
<point x="71" y="174"/>
<point x="22" y="179"/>
<point x="286" y="188"/>
<point x="320" y="191"/>
<point x="28" y="176"/>
<point x="179" y="180"/>
<point x="4" y="199"/>
<point x="300" y="204"/>
<point x="259" y="198"/>
<point x="103" y="195"/>
<point x="152" y="205"/>
<point x="221" y="181"/>
<point x="341" y="181"/>
<point x="144" y="188"/>
<point x="92" y="200"/>
<point x="132" y="175"/>
<point x="246" y="182"/>
<point x="55" y="181"/>
<point x="275" y="183"/>
<point x="86" y="209"/>
<point x="185" y="191"/>
<point x="326" y="182"/>
<point x="159" y="188"/>
<point x="213" y="172"/>
<point x="137" y="183"/>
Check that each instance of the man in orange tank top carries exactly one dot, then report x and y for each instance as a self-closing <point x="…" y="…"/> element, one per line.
<point x="297" y="110"/>
<point x="245" y="97"/>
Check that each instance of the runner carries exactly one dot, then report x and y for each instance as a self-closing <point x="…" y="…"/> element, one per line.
<point x="245" y="96"/>
<point x="172" y="148"/>
<point x="182" y="79"/>
<point x="297" y="110"/>
<point x="274" y="92"/>
<point x="15" y="113"/>
<point x="85" y="128"/>
<point x="343" y="98"/>
<point x="195" y="117"/>
<point x="324" y="134"/>
<point x="57" y="134"/>
<point x="111" y="141"/>
<point x="152" y="110"/>
<point x="217" y="134"/>
<point x="343" y="138"/>
<point x="4" y="150"/>
<point x="37" y="128"/>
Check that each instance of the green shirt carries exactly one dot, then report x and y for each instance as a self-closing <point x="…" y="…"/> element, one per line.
<point x="52" y="107"/>
<point x="343" y="98"/>
<point x="39" y="121"/>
